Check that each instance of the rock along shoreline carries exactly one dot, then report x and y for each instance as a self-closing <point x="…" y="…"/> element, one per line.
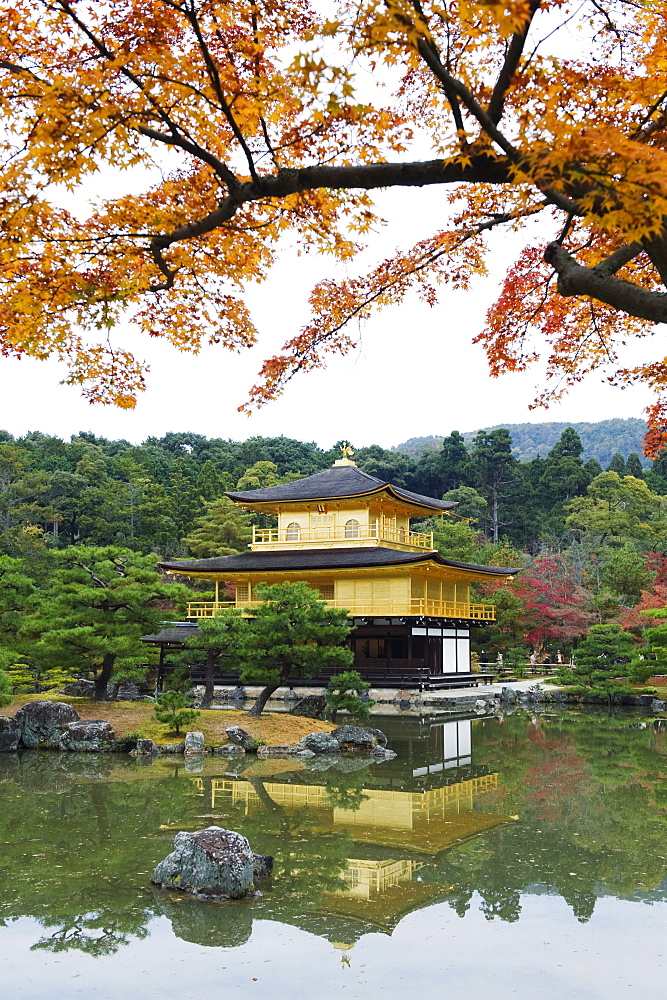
<point x="55" y="725"/>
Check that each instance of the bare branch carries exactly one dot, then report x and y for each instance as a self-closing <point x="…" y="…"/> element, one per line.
<point x="618" y="259"/>
<point x="509" y="67"/>
<point x="575" y="279"/>
<point x="483" y="169"/>
<point x="431" y="57"/>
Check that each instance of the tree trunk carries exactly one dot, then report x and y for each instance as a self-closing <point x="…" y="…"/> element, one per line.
<point x="211" y="663"/>
<point x="495" y="515"/>
<point x="104" y="677"/>
<point x="264" y="695"/>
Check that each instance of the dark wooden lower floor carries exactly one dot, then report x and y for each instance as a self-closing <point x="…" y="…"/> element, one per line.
<point x="404" y="653"/>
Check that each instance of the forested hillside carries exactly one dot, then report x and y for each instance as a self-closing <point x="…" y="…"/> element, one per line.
<point x="591" y="541"/>
<point x="601" y="440"/>
<point x="152" y="496"/>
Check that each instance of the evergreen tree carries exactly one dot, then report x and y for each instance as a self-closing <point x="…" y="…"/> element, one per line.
<point x="344" y="694"/>
<point x="291" y="632"/>
<point x="16" y="589"/>
<point x="563" y="477"/>
<point x="445" y="469"/>
<point x="216" y="638"/>
<point x="655" y="657"/>
<point x="173" y="710"/>
<point x="5" y="689"/>
<point x="259" y="476"/>
<point x="633" y="466"/>
<point x="617" y="464"/>
<point x="626" y="574"/>
<point x="601" y="657"/>
<point x="209" y="482"/>
<point x="593" y="468"/>
<point x="494" y="468"/>
<point x="471" y="504"/>
<point x="97" y="605"/>
<point x="22" y="496"/>
<point x="620" y="509"/>
<point x="389" y="466"/>
<point x="185" y="502"/>
<point x="222" y="530"/>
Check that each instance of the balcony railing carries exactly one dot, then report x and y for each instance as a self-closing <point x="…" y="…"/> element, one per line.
<point x="290" y="536"/>
<point x="378" y="609"/>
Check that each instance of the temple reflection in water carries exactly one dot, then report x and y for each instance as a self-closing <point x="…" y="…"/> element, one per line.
<point x="399" y="818"/>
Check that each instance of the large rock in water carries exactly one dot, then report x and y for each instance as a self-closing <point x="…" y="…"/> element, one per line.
<point x="211" y="863"/>
<point x="43" y="723"/>
<point x="88" y="736"/>
<point x="318" y="743"/>
<point x="358" y="738"/>
<point x="10" y="734"/>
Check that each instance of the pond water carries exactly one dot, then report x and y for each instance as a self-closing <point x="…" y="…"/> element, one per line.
<point x="510" y="856"/>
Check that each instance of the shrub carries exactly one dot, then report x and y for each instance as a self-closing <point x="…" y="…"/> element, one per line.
<point x="173" y="710"/>
<point x="126" y="743"/>
<point x="5" y="689"/>
<point x="344" y="692"/>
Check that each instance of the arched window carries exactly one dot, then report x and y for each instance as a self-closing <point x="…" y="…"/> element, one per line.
<point x="293" y="532"/>
<point x="352" y="528"/>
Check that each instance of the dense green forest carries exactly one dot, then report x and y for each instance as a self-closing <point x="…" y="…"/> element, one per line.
<point x="601" y="440"/>
<point x="591" y="541"/>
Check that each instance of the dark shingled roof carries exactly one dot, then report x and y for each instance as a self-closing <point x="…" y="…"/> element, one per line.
<point x="314" y="559"/>
<point x="334" y="483"/>
<point x="178" y="632"/>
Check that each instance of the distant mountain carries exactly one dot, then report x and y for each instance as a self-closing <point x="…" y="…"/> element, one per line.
<point x="601" y="440"/>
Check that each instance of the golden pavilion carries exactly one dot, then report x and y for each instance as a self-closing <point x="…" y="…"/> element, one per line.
<point x="347" y="535"/>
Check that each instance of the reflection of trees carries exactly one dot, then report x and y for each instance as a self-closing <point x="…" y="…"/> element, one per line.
<point x="309" y="856"/>
<point x="94" y="934"/>
<point x="80" y="846"/>
<point x="82" y="833"/>
<point x="591" y="799"/>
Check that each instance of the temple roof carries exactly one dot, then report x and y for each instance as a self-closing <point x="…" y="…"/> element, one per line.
<point x="337" y="483"/>
<point x="316" y="559"/>
<point x="178" y="632"/>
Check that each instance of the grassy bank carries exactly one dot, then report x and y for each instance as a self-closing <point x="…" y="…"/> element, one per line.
<point x="137" y="717"/>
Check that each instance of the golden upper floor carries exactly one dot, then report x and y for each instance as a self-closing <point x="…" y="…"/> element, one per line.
<point x="341" y="507"/>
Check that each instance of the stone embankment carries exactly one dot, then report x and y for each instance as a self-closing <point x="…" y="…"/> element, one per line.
<point x="54" y="725"/>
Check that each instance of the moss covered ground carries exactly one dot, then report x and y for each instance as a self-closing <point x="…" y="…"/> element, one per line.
<point x="137" y="717"/>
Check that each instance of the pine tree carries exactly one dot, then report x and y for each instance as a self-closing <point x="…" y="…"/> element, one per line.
<point x="5" y="689"/>
<point x="602" y="657"/>
<point x="96" y="607"/>
<point x="173" y="710"/>
<point x="215" y="638"/>
<point x="633" y="466"/>
<point x="291" y="632"/>
<point x="494" y="468"/>
<point x="344" y="694"/>
<point x="222" y="530"/>
<point x="617" y="464"/>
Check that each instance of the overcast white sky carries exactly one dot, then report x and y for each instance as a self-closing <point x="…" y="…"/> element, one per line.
<point x="415" y="373"/>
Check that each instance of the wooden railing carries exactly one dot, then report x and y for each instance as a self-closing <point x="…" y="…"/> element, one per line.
<point x="379" y="609"/>
<point x="290" y="536"/>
